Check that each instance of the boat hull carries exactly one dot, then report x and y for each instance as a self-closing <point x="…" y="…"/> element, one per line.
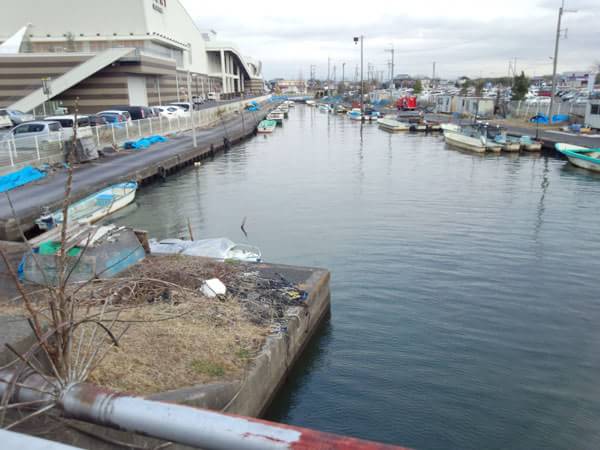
<point x="464" y="142"/>
<point x="580" y="156"/>
<point x="392" y="126"/>
<point x="511" y="147"/>
<point x="535" y="147"/>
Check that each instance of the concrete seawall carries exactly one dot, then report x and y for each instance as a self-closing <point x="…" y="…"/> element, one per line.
<point x="157" y="161"/>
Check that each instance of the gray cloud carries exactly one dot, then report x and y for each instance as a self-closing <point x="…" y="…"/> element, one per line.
<point x="473" y="46"/>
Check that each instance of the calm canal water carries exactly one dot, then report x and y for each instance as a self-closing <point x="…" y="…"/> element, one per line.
<point x="465" y="294"/>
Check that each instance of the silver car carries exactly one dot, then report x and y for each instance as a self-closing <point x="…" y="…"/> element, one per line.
<point x="33" y="135"/>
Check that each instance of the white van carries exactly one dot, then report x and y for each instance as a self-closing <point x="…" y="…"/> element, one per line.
<point x="67" y="122"/>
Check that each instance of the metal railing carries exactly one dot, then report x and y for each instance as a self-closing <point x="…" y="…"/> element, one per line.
<point x="525" y="109"/>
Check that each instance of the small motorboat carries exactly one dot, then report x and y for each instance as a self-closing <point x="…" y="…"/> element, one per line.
<point x="529" y="145"/>
<point x="323" y="108"/>
<point x="473" y="137"/>
<point x="276" y="116"/>
<point x="354" y="114"/>
<point x="586" y="158"/>
<point x="266" y="126"/>
<point x="311" y="102"/>
<point x="392" y="125"/>
<point x="506" y="143"/>
<point x="341" y="109"/>
<point x="219" y="248"/>
<point x="94" y="207"/>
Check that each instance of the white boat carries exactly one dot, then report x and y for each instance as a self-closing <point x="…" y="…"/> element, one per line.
<point x="392" y="125"/>
<point x="277" y="116"/>
<point x="266" y="126"/>
<point x="94" y="207"/>
<point x="324" y="108"/>
<point x="354" y="114"/>
<point x="529" y="144"/>
<point x="219" y="248"/>
<point x="291" y="104"/>
<point x="311" y="102"/>
<point x="469" y="137"/>
<point x="586" y="158"/>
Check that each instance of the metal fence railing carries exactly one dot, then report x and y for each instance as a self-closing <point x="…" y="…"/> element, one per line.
<point x="525" y="109"/>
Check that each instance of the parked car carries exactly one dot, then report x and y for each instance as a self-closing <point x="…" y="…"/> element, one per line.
<point x="111" y="113"/>
<point x="27" y="135"/>
<point x="98" y="121"/>
<point x="186" y="106"/>
<point x="18" y="117"/>
<point x="5" y="121"/>
<point x="137" y="112"/>
<point x="68" y="122"/>
<point x="212" y="96"/>
<point x="198" y="100"/>
<point x="169" y="111"/>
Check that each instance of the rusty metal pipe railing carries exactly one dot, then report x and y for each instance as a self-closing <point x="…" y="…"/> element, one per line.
<point x="186" y="425"/>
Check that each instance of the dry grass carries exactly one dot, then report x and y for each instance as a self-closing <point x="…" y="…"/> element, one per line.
<point x="211" y="341"/>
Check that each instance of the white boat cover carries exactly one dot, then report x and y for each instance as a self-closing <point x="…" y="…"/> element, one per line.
<point x="220" y="248"/>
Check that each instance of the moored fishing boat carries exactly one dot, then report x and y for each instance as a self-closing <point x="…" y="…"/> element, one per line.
<point x="277" y="116"/>
<point x="266" y="126"/>
<point x="468" y="137"/>
<point x="392" y="125"/>
<point x="586" y="158"/>
<point x="324" y="108"/>
<point x="506" y="143"/>
<point x="529" y="144"/>
<point x="94" y="207"/>
<point x="354" y="114"/>
<point x="341" y="109"/>
<point x="311" y="102"/>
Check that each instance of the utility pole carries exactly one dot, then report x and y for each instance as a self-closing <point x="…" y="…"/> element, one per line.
<point x="433" y="76"/>
<point x="391" y="50"/>
<point x="328" y="73"/>
<point x="343" y="72"/>
<point x="362" y="92"/>
<point x="561" y="11"/>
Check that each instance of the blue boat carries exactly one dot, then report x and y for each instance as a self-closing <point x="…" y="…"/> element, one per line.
<point x="586" y="158"/>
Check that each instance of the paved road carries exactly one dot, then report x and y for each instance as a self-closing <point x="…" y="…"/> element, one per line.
<point x="91" y="177"/>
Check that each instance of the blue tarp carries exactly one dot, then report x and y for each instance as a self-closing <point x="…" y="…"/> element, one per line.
<point x="557" y="118"/>
<point x="143" y="143"/>
<point x="539" y="118"/>
<point x="19" y="178"/>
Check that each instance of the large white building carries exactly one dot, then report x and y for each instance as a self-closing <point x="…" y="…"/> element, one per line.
<point x="114" y="52"/>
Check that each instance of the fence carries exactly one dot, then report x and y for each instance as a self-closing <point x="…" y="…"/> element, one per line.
<point x="49" y="148"/>
<point x="525" y="109"/>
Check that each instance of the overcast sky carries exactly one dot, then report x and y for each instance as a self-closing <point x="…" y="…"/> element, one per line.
<point x="472" y="37"/>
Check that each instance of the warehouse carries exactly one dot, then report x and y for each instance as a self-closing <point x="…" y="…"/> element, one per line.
<point x="141" y="52"/>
